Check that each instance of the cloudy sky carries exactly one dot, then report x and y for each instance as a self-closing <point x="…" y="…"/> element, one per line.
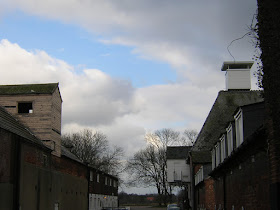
<point x="125" y="67"/>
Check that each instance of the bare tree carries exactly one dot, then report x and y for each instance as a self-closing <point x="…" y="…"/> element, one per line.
<point x="191" y="136"/>
<point x="93" y="148"/>
<point x="148" y="167"/>
<point x="145" y="168"/>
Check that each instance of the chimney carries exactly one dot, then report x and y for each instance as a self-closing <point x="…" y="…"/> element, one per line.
<point x="238" y="75"/>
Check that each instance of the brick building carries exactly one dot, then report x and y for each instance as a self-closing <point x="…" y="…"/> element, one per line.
<point x="233" y="141"/>
<point x="36" y="171"/>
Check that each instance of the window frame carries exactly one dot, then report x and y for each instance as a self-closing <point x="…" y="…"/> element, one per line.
<point x="239" y="128"/>
<point x="229" y="130"/>
<point x="21" y="108"/>
<point x="213" y="158"/>
<point x="223" y="147"/>
<point x="218" y="153"/>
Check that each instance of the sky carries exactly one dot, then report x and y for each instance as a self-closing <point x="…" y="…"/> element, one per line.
<point x="126" y="67"/>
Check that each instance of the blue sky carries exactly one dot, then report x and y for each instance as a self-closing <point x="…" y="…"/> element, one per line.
<point x="82" y="49"/>
<point x="125" y="67"/>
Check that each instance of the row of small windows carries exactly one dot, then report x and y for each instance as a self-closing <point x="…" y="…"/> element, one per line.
<point x="228" y="141"/>
<point x="107" y="181"/>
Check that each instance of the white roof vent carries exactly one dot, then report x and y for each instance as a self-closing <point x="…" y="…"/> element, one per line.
<point x="238" y="75"/>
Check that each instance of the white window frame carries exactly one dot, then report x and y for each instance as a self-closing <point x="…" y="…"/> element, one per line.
<point x="239" y="127"/>
<point x="199" y="176"/>
<point x="213" y="158"/>
<point x="229" y="139"/>
<point x="223" y="147"/>
<point x="218" y="154"/>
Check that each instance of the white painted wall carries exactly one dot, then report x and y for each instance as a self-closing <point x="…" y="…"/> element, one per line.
<point x="238" y="79"/>
<point x="178" y="170"/>
<point x="97" y="201"/>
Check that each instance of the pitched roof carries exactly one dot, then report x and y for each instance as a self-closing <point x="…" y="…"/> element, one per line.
<point x="201" y="156"/>
<point x="65" y="152"/>
<point x="221" y="114"/>
<point x="179" y="152"/>
<point x="28" y="89"/>
<point x="9" y="123"/>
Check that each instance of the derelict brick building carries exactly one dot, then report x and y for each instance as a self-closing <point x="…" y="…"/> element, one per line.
<point x="36" y="172"/>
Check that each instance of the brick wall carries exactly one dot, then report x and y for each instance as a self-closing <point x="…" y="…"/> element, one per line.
<point x="246" y="185"/>
<point x="209" y="193"/>
<point x="68" y="166"/>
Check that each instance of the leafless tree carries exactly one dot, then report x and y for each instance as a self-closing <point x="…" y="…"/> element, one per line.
<point x="148" y="167"/>
<point x="93" y="148"/>
<point x="190" y="137"/>
<point x="145" y="168"/>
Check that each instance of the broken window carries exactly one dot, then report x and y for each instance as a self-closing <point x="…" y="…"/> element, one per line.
<point x="25" y="107"/>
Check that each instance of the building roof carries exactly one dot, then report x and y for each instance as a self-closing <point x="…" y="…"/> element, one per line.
<point x="9" y="123"/>
<point x="179" y="152"/>
<point x="221" y="114"/>
<point x="237" y="65"/>
<point x="28" y="89"/>
<point x="65" y="152"/>
<point x="201" y="156"/>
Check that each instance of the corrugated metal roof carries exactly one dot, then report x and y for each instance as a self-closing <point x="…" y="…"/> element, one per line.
<point x="28" y="89"/>
<point x="9" y="123"/>
<point x="179" y="152"/>
<point x="221" y="114"/>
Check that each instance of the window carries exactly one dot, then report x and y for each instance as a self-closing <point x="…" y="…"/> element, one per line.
<point x="25" y="107"/>
<point x="91" y="176"/>
<point x="229" y="139"/>
<point x="218" y="154"/>
<point x="213" y="159"/>
<point x="56" y="206"/>
<point x="105" y="180"/>
<point x="239" y="127"/>
<point x="115" y="183"/>
<point x="223" y="147"/>
<point x="199" y="176"/>
<point x="97" y="177"/>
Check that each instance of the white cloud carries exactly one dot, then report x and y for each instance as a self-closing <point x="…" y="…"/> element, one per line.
<point x="176" y="32"/>
<point x="95" y="100"/>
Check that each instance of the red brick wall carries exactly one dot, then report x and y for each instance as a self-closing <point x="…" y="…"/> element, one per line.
<point x="68" y="166"/>
<point x="209" y="193"/>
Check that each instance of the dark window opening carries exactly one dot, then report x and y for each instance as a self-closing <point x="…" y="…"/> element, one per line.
<point x="25" y="107"/>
